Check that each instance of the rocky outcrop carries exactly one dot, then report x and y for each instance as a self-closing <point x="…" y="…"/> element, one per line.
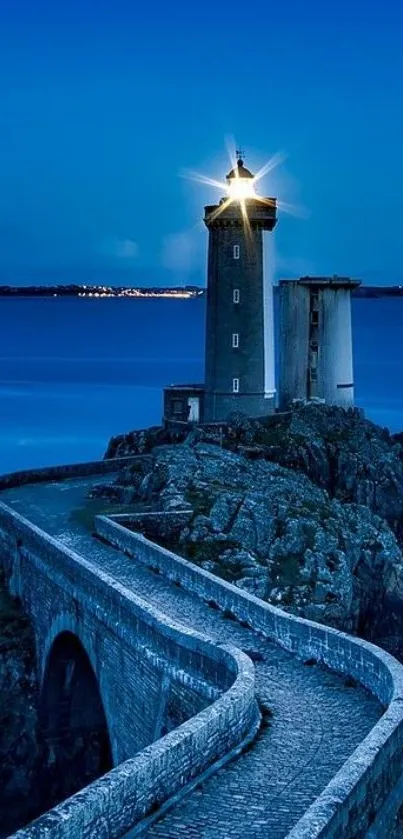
<point x="274" y="532"/>
<point x="143" y="441"/>
<point x="352" y="458"/>
<point x="19" y="747"/>
<point x="340" y="451"/>
<point x="305" y="509"/>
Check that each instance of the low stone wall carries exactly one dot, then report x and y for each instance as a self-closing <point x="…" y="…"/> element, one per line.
<point x="360" y="790"/>
<point x="115" y="803"/>
<point x="60" y="473"/>
<point x="166" y="526"/>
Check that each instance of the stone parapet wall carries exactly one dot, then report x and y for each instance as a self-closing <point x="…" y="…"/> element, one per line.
<point x="364" y="785"/>
<point x="115" y="803"/>
<point x="62" y="473"/>
<point x="156" y="523"/>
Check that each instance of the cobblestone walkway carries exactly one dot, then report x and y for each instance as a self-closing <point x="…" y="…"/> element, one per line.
<point x="317" y="719"/>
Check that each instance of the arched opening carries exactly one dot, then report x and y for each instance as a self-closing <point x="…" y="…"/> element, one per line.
<point x="72" y="722"/>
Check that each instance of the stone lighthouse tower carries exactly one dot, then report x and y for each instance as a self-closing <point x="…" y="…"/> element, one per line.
<point x="239" y="368"/>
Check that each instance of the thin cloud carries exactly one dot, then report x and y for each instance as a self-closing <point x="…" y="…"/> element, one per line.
<point x="183" y="252"/>
<point x="122" y="249"/>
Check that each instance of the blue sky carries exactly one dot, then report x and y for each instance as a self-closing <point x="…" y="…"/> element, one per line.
<point x="104" y="104"/>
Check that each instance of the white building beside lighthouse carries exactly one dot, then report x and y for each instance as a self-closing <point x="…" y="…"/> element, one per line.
<point x="316" y="347"/>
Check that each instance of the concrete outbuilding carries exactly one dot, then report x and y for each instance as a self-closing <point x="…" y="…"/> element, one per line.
<point x="316" y="350"/>
<point x="184" y="403"/>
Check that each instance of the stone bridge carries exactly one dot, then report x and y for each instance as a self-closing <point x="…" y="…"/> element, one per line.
<point x="206" y="712"/>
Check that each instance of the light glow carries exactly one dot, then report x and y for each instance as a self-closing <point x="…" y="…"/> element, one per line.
<point x="237" y="189"/>
<point x="240" y="188"/>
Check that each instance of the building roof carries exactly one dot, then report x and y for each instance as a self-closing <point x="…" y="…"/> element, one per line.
<point x="195" y="387"/>
<point x="324" y="282"/>
<point x="240" y="171"/>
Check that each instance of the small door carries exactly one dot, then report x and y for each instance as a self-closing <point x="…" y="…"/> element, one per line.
<point x="193" y="408"/>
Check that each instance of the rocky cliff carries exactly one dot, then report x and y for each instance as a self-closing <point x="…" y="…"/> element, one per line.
<point x="304" y="510"/>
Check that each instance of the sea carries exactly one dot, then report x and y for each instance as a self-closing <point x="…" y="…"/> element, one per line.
<point x="75" y="371"/>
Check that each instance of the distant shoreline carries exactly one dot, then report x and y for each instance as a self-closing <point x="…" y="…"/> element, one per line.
<point x="98" y="291"/>
<point x="173" y="293"/>
<point x="378" y="291"/>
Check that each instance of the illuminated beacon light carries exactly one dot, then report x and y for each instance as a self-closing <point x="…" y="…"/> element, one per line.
<point x="240" y="185"/>
<point x="240" y="188"/>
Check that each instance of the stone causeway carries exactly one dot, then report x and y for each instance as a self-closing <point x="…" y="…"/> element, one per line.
<point x="228" y="718"/>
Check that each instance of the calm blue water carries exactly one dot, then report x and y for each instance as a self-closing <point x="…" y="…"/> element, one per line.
<point x="73" y="372"/>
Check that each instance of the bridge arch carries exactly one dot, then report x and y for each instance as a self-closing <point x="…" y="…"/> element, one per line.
<point x="69" y="621"/>
<point x="73" y="725"/>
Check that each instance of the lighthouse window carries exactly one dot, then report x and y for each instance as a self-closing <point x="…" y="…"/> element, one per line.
<point x="314" y="356"/>
<point x="235" y="385"/>
<point x="236" y="251"/>
<point x="235" y="295"/>
<point x="235" y="340"/>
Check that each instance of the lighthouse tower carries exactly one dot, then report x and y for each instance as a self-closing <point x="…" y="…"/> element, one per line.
<point x="239" y="366"/>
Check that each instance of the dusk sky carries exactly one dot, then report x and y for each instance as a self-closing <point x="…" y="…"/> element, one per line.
<point x="104" y="104"/>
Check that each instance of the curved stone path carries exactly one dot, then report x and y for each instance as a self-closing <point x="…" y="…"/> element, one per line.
<point x="317" y="720"/>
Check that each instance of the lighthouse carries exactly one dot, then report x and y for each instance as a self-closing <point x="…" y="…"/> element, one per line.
<point x="239" y="349"/>
<point x="315" y="334"/>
